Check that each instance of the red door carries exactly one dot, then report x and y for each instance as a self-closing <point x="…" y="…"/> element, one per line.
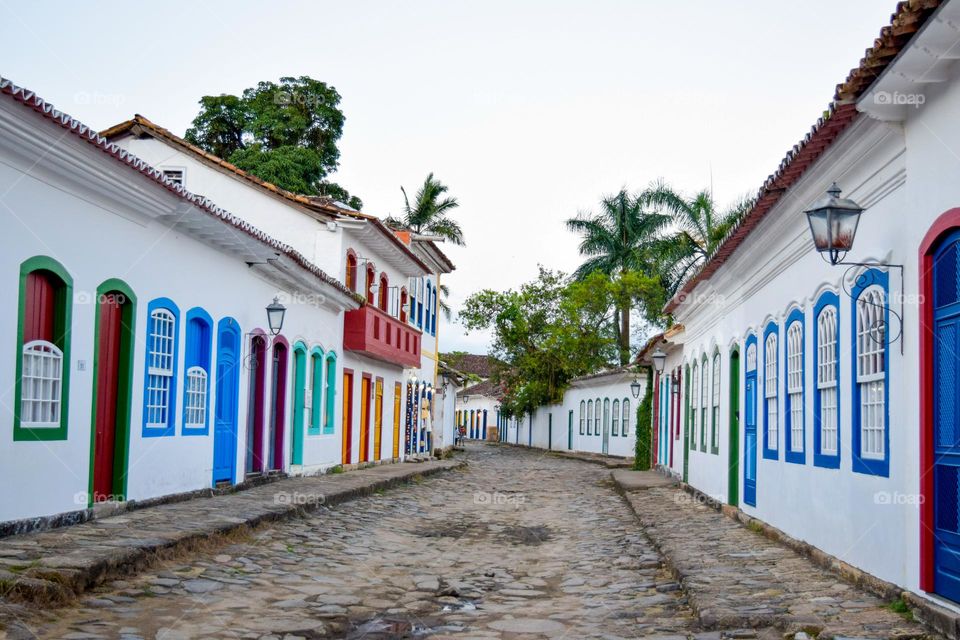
<point x="108" y="366"/>
<point x="364" y="417"/>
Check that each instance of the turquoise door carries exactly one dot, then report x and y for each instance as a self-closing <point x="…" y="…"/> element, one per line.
<point x="225" y="411"/>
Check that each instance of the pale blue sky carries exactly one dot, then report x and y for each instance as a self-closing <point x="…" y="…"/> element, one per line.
<point x="529" y="110"/>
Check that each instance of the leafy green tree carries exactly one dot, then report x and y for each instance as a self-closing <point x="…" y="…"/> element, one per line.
<point x="644" y="426"/>
<point x="615" y="242"/>
<point x="689" y="229"/>
<point x="429" y="213"/>
<point x="285" y="133"/>
<point x="544" y="335"/>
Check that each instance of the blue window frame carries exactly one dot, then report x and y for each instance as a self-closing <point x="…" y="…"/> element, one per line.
<point x="826" y="377"/>
<point x="870" y="374"/>
<point x="771" y="396"/>
<point x="196" y="382"/>
<point x="429" y="295"/>
<point x="433" y="313"/>
<point x="160" y="368"/>
<point x="795" y="398"/>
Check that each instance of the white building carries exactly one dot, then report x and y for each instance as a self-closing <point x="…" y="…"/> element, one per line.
<point x="818" y="398"/>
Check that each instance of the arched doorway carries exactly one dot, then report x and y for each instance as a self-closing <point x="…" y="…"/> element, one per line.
<point x="114" y="338"/>
<point x="939" y="412"/>
<point x="225" y="412"/>
<point x="255" y="403"/>
<point x="733" y="443"/>
<point x="278" y="402"/>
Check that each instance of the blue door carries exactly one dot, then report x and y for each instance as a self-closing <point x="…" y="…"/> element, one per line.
<point x="946" y="419"/>
<point x="750" y="426"/>
<point x="225" y="411"/>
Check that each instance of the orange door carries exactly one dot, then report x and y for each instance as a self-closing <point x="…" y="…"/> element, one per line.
<point x="347" y="415"/>
<point x="364" y="417"/>
<point x="397" y="389"/>
<point x="377" y="417"/>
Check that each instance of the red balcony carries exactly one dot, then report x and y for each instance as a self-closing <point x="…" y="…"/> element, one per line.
<point x="378" y="335"/>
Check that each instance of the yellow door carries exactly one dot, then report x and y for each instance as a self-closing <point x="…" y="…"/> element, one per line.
<point x="364" y="418"/>
<point x="377" y="417"/>
<point x="397" y="389"/>
<point x="347" y="415"/>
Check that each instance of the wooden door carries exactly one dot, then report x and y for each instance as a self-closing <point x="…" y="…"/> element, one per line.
<point x="347" y="416"/>
<point x="733" y="461"/>
<point x="397" y="392"/>
<point x="256" y="414"/>
<point x="279" y="413"/>
<point x="225" y="411"/>
<point x="364" y="418"/>
<point x="109" y="322"/>
<point x="377" y="418"/>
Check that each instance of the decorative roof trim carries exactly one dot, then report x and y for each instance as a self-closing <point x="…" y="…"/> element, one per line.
<point x="33" y="101"/>
<point x="907" y="19"/>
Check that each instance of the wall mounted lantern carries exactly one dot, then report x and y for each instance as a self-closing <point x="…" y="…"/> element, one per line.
<point x="275" y="315"/>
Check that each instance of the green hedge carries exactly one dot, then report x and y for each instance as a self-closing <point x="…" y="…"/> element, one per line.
<point x="641" y="461"/>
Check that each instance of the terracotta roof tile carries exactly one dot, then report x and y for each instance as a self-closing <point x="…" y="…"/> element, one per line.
<point x="907" y="19"/>
<point x="31" y="100"/>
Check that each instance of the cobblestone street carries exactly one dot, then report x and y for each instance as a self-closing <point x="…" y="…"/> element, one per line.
<point x="517" y="544"/>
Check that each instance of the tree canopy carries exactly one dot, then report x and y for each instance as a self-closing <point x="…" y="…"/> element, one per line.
<point x="285" y="133"/>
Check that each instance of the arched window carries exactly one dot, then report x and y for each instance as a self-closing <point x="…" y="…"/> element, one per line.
<point x="694" y="412"/>
<point x="43" y="351"/>
<point x="606" y="415"/>
<point x="615" y="430"/>
<point x="331" y="392"/>
<point x="159" y="394"/>
<point x="794" y="414"/>
<point x="313" y="394"/>
<point x="870" y="451"/>
<point x="626" y="417"/>
<point x="371" y="277"/>
<point x="351" y="277"/>
<point x="596" y="417"/>
<point x="583" y="408"/>
<point x="384" y="292"/>
<point x="420" y="302"/>
<point x="826" y="410"/>
<point x="197" y="358"/>
<point x="715" y="405"/>
<point x="413" y="301"/>
<point x="704" y="399"/>
<point x="403" y="304"/>
<point x="433" y="312"/>
<point x="771" y="432"/>
<point x="590" y="417"/>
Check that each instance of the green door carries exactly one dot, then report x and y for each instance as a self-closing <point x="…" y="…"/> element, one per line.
<point x="686" y="424"/>
<point x="733" y="465"/>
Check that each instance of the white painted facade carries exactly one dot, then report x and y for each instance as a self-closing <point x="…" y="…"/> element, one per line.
<point x="898" y="162"/>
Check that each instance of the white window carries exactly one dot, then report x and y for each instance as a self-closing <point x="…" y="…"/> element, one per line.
<point x="626" y="418"/>
<point x="616" y="418"/>
<point x="770" y="391"/>
<point x="703" y="405"/>
<point x="715" y="424"/>
<point x="795" y="384"/>
<point x="752" y="356"/>
<point x="195" y="411"/>
<point x="694" y="390"/>
<point x="590" y="418"/>
<point x="827" y="379"/>
<point x="160" y="368"/>
<point x="871" y="371"/>
<point x="41" y="377"/>
<point x="582" y="411"/>
<point x="597" y="418"/>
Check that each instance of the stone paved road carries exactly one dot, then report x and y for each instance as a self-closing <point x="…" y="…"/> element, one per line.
<point x="518" y="545"/>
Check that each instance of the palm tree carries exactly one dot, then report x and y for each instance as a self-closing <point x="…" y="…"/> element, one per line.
<point x="614" y="242"/>
<point x="690" y="229"/>
<point x="429" y="212"/>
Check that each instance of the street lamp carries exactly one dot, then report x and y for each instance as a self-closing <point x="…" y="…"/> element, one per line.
<point x="833" y="223"/>
<point x="275" y="314"/>
<point x="635" y="389"/>
<point x="659" y="359"/>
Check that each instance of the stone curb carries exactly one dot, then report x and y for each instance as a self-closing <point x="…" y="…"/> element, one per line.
<point x="924" y="611"/>
<point x="610" y="462"/>
<point x="61" y="583"/>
